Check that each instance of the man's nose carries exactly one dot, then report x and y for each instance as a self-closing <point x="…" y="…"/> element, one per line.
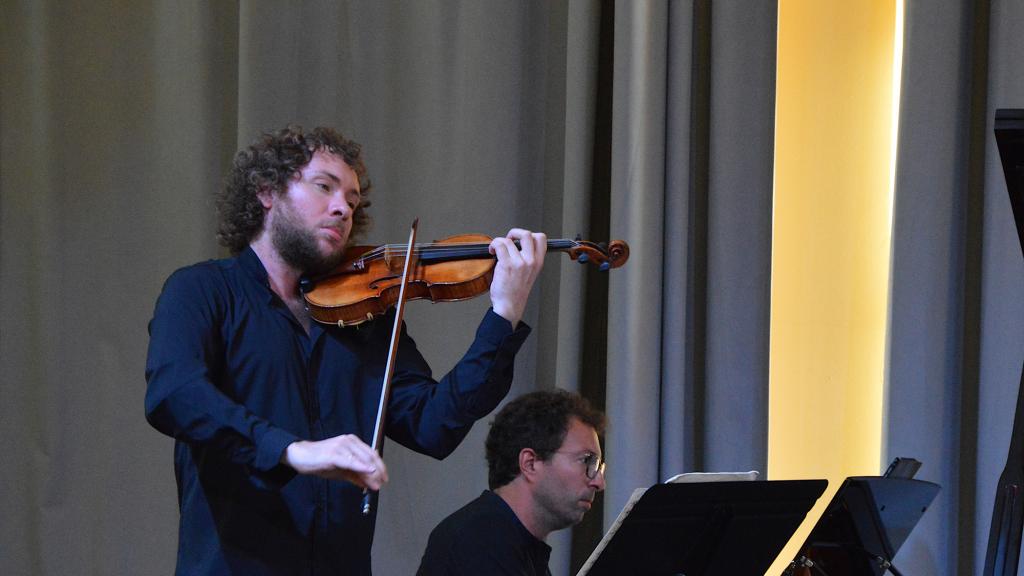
<point x="598" y="481"/>
<point x="339" y="206"/>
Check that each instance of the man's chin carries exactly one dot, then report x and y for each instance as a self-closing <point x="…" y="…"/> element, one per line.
<point x="322" y="266"/>
<point x="577" y="515"/>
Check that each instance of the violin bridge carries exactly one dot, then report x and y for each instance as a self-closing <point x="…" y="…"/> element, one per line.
<point x="341" y="323"/>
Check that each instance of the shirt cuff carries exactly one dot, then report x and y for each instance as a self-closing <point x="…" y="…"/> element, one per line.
<point x="495" y="329"/>
<point x="272" y="445"/>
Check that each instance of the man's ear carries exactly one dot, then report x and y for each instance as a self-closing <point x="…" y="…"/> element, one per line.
<point x="529" y="463"/>
<point x="266" y="197"/>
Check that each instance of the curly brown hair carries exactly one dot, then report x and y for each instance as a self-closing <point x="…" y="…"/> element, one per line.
<point x="538" y="420"/>
<point x="268" y="164"/>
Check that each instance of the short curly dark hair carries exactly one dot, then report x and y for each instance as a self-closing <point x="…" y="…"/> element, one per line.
<point x="538" y="420"/>
<point x="267" y="164"/>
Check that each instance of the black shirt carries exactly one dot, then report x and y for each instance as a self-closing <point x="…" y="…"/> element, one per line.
<point x="235" y="378"/>
<point x="484" y="537"/>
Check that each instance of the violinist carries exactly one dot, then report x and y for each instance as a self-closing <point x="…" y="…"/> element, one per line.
<point x="271" y="411"/>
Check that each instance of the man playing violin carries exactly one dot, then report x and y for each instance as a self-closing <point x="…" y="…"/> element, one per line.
<point x="544" y="468"/>
<point x="270" y="411"/>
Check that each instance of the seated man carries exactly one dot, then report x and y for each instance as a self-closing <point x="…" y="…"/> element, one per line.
<point x="544" y="468"/>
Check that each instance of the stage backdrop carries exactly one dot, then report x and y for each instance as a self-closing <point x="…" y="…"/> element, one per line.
<point x="646" y="121"/>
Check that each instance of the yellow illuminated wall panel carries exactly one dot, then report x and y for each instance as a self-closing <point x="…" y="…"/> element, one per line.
<point x="831" y="239"/>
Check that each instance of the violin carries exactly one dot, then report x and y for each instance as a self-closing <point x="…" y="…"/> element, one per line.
<point x="369" y="280"/>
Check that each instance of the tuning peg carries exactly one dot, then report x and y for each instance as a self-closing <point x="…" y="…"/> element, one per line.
<point x="583" y="258"/>
<point x="605" y="266"/>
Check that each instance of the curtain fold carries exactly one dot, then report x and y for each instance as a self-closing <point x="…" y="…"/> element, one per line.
<point x="954" y="360"/>
<point x="688" y="360"/>
<point x="1002" y="276"/>
<point x="923" y="387"/>
<point x="637" y="207"/>
<point x="741" y="159"/>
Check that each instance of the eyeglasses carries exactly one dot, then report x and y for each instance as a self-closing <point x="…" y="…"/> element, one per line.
<point x="594" y="464"/>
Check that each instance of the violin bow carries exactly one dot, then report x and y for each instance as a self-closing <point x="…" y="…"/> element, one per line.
<point x="389" y="370"/>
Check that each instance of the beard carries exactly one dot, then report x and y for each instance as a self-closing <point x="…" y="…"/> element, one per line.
<point x="557" y="507"/>
<point x="299" y="247"/>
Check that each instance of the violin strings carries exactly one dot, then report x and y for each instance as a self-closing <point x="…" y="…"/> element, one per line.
<point x="448" y="249"/>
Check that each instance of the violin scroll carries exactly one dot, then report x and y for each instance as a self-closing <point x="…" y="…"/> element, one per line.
<point x="605" y="256"/>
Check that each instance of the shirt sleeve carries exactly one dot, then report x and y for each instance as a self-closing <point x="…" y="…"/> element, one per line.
<point x="185" y="354"/>
<point x="433" y="417"/>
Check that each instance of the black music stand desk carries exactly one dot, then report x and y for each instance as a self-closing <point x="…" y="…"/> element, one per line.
<point x="704" y="529"/>
<point x="864" y="526"/>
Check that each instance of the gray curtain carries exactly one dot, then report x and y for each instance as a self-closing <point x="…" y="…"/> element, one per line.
<point x="647" y="121"/>
<point x="1002" y="266"/>
<point x="955" y="335"/>
<point x="688" y="355"/>
<point x="119" y="119"/>
<point x="116" y="122"/>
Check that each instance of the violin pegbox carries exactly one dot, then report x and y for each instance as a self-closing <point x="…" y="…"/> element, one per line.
<point x="605" y="256"/>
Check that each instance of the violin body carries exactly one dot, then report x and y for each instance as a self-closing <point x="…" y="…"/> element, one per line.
<point x="363" y="288"/>
<point x="369" y="279"/>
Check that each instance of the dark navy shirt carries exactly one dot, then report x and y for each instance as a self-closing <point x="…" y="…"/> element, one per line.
<point x="484" y="537"/>
<point x="234" y="378"/>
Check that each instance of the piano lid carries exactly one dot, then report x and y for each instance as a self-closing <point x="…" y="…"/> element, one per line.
<point x="1009" y="129"/>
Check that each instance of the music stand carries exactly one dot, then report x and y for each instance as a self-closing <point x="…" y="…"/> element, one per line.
<point x="864" y="526"/>
<point x="706" y="529"/>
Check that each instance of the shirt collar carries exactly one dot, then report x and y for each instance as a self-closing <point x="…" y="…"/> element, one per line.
<point x="527" y="535"/>
<point x="253" y="266"/>
<point x="250" y="262"/>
